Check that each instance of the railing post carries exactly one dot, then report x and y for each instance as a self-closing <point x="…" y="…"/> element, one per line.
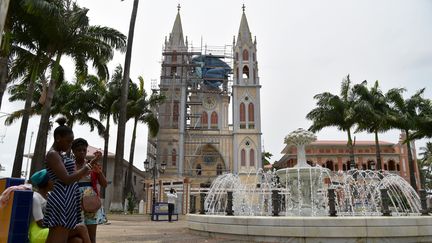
<point x="229" y="210"/>
<point x="332" y="202"/>
<point x="424" y="210"/>
<point x="275" y="202"/>
<point x="202" y="199"/>
<point x="384" y="202"/>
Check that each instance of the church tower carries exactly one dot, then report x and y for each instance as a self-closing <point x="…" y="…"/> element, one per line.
<point x="246" y="102"/>
<point x="171" y="112"/>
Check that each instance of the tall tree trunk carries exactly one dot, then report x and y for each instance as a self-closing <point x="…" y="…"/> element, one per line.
<point x="105" y="155"/>
<point x="5" y="39"/>
<point x="351" y="150"/>
<point x="410" y="161"/>
<point x="116" y="203"/>
<point x="129" y="187"/>
<point x="41" y="139"/>
<point x="377" y="152"/>
<point x="3" y="76"/>
<point x="17" y="167"/>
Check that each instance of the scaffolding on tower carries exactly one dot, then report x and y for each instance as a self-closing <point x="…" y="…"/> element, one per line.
<point x="186" y="75"/>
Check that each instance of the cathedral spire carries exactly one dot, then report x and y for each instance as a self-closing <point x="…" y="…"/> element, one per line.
<point x="244" y="34"/>
<point x="176" y="37"/>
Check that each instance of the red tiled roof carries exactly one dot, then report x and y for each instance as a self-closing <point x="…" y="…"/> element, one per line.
<point x="91" y="150"/>
<point x="340" y="143"/>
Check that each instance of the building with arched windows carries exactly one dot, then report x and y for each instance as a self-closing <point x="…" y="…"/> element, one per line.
<point x="210" y="121"/>
<point x="334" y="155"/>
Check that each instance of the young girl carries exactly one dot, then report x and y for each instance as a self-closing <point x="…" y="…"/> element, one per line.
<point x="38" y="233"/>
<point x="63" y="209"/>
<point x="88" y="185"/>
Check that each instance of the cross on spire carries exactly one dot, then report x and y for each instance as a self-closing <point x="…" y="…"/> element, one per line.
<point x="243" y="7"/>
<point x="178" y="7"/>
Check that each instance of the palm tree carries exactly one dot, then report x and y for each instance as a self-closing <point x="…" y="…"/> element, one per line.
<point x="116" y="202"/>
<point x="108" y="96"/>
<point x="14" y="15"/>
<point x="266" y="156"/>
<point x="424" y="122"/>
<point x="372" y="104"/>
<point x="425" y="165"/>
<point x="404" y="115"/>
<point x="140" y="110"/>
<point x="73" y="36"/>
<point x="336" y="111"/>
<point x="26" y="47"/>
<point x="76" y="102"/>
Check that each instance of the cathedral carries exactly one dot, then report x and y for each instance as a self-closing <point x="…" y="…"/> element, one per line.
<point x="210" y="122"/>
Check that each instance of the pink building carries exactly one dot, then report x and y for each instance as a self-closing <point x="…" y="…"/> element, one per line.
<point x="334" y="155"/>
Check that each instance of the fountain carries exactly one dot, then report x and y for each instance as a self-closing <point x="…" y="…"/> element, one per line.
<point x="305" y="183"/>
<point x="304" y="209"/>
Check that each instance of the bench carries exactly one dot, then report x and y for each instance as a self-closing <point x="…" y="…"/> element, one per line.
<point x="160" y="212"/>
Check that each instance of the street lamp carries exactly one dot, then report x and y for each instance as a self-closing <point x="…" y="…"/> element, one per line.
<point x="154" y="168"/>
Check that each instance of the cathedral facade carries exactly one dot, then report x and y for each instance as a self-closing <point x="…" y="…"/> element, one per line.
<point x="210" y="122"/>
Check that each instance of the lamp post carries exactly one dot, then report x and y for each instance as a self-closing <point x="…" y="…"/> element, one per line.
<point x="154" y="168"/>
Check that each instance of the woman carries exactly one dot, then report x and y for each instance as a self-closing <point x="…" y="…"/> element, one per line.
<point x="88" y="185"/>
<point x="63" y="210"/>
<point x="38" y="233"/>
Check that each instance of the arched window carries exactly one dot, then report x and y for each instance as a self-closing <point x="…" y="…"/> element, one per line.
<point x="243" y="157"/>
<point x="245" y="72"/>
<point x="252" y="157"/>
<point x="329" y="165"/>
<point x="290" y="163"/>
<point x="175" y="112"/>
<point x="219" y="169"/>
<point x="253" y="56"/>
<point x="125" y="177"/>
<point x="174" y="57"/>
<point x="214" y="119"/>
<point x="173" y="157"/>
<point x="173" y="71"/>
<point x="254" y="76"/>
<point x="204" y="119"/>
<point x="391" y="165"/>
<point x="242" y="112"/>
<point x="165" y="154"/>
<point x="385" y="167"/>
<point x="236" y="56"/>
<point x="167" y="111"/>
<point x="238" y="75"/>
<point x="198" y="169"/>
<point x="369" y="164"/>
<point x="245" y="55"/>
<point x="251" y="115"/>
<point x="348" y="165"/>
<point x="344" y="167"/>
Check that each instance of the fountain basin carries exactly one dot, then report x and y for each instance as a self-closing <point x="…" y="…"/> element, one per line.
<point x="314" y="229"/>
<point x="306" y="186"/>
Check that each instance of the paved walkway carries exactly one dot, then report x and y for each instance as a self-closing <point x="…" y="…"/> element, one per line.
<point x="138" y="228"/>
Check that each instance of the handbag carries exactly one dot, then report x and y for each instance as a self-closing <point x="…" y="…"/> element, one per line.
<point x="91" y="202"/>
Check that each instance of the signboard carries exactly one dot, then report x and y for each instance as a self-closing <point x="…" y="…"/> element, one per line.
<point x="161" y="208"/>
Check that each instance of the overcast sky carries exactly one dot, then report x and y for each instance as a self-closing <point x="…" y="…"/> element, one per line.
<point x="304" y="48"/>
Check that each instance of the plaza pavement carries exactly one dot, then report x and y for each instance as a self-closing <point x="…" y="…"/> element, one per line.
<point x="139" y="228"/>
